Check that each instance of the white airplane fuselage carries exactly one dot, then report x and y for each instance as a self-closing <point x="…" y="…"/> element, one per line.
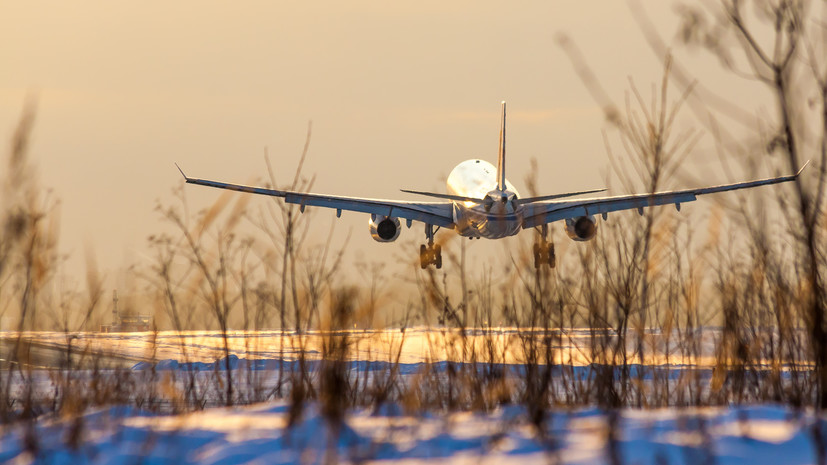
<point x="498" y="217"/>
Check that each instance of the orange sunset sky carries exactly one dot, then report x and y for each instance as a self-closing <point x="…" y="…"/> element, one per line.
<point x="398" y="93"/>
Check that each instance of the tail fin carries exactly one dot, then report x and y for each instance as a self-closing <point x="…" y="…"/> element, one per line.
<point x="501" y="158"/>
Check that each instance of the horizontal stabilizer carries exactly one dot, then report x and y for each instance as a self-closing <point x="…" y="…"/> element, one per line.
<point x="457" y="198"/>
<point x="557" y="196"/>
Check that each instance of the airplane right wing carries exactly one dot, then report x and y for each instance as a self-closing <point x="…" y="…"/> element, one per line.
<point x="540" y="213"/>
<point x="435" y="213"/>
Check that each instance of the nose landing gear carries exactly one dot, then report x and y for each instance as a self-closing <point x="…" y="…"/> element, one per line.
<point x="544" y="250"/>
<point x="432" y="253"/>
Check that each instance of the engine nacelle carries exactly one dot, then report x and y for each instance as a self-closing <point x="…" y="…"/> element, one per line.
<point x="384" y="228"/>
<point x="581" y="229"/>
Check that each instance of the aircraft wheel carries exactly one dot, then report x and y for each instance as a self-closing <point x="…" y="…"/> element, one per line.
<point x="552" y="257"/>
<point x="438" y="256"/>
<point x="536" y="255"/>
<point x="423" y="257"/>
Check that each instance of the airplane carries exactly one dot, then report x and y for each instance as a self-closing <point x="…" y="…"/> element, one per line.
<point x="482" y="203"/>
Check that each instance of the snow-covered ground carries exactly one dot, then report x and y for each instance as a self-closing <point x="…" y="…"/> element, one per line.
<point x="277" y="431"/>
<point x="259" y="435"/>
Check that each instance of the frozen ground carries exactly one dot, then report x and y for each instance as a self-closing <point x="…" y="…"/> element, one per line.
<point x="413" y="345"/>
<point x="259" y="433"/>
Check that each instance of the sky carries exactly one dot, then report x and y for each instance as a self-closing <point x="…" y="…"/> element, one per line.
<point x="398" y="94"/>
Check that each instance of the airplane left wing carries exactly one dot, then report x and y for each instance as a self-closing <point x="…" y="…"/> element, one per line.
<point x="435" y="213"/>
<point x="540" y="213"/>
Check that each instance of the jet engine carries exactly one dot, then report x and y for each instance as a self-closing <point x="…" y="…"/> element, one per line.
<point x="581" y="229"/>
<point x="384" y="228"/>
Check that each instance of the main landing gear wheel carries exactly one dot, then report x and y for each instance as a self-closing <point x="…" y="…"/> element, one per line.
<point x="430" y="255"/>
<point x="536" y="255"/>
<point x="438" y="256"/>
<point x="544" y="254"/>
<point x="552" y="257"/>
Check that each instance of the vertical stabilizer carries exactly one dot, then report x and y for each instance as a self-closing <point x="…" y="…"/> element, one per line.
<point x="501" y="158"/>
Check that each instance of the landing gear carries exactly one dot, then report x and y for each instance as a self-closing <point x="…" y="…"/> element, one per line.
<point x="544" y="250"/>
<point x="432" y="253"/>
<point x="544" y="254"/>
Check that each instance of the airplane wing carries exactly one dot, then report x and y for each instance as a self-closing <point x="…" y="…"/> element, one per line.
<point x="540" y="213"/>
<point x="435" y="213"/>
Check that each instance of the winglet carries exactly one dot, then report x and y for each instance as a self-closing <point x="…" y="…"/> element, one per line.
<point x="802" y="168"/>
<point x="182" y="172"/>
